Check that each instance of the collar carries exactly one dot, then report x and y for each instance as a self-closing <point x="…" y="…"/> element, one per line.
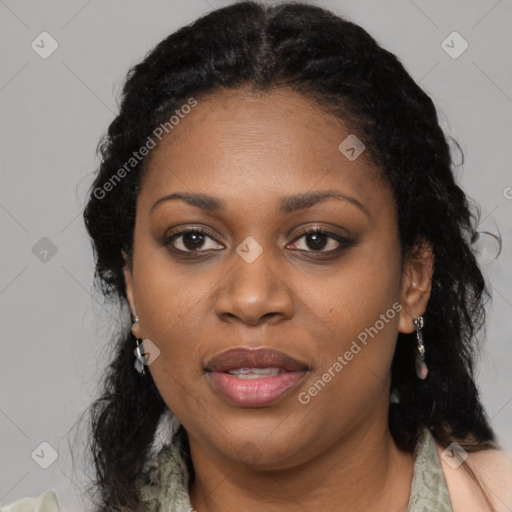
<point x="164" y="485"/>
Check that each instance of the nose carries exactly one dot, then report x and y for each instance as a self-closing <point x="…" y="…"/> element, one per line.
<point x="254" y="293"/>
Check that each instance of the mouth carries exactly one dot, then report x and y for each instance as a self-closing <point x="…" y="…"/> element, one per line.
<point x="254" y="377"/>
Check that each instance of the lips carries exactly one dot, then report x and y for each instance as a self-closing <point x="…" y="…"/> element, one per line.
<point x="253" y="358"/>
<point x="254" y="377"/>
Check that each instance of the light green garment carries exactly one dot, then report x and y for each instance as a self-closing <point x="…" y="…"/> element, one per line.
<point x="46" y="502"/>
<point x="429" y="491"/>
<point x="164" y="488"/>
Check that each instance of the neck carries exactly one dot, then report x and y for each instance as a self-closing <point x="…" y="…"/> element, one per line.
<point x="363" y="471"/>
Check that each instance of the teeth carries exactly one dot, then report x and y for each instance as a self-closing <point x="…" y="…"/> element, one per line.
<point x="254" y="373"/>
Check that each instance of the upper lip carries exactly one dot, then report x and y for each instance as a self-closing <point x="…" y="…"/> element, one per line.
<point x="253" y="358"/>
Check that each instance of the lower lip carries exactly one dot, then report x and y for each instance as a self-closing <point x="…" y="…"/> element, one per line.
<point x="254" y="392"/>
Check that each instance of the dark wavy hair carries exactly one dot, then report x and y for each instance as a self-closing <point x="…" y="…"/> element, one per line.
<point x="340" y="67"/>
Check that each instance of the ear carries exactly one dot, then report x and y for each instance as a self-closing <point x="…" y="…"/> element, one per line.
<point x="128" y="281"/>
<point x="416" y="285"/>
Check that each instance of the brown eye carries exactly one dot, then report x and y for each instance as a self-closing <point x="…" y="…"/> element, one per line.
<point x="192" y="240"/>
<point x="320" y="240"/>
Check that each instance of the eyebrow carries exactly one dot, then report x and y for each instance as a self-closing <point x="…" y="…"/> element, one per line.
<point x="307" y="200"/>
<point x="288" y="204"/>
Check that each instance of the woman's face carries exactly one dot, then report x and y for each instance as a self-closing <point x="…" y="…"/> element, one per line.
<point x="260" y="172"/>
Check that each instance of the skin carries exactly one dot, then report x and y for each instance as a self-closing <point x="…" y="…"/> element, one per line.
<point x="250" y="150"/>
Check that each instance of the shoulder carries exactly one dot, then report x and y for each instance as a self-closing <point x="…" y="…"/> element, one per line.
<point x="45" y="502"/>
<point x="493" y="471"/>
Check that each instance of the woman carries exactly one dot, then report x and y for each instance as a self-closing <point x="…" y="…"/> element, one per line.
<point x="276" y="207"/>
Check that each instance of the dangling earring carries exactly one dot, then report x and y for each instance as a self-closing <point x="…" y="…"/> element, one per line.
<point x="139" y="355"/>
<point x="421" y="367"/>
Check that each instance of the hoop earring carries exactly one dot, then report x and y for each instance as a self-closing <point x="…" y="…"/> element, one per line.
<point x="421" y="367"/>
<point x="140" y="360"/>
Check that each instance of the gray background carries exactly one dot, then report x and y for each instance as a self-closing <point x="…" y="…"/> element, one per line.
<point x="55" y="329"/>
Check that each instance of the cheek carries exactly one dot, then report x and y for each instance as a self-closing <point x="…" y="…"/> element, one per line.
<point x="353" y="360"/>
<point x="352" y="296"/>
<point x="357" y="310"/>
<point x="356" y="341"/>
<point x="168" y="303"/>
<point x="169" y="298"/>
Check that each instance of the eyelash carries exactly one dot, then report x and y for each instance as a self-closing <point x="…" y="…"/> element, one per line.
<point x="344" y="243"/>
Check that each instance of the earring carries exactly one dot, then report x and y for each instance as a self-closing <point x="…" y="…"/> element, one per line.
<point x="139" y="354"/>
<point x="421" y="367"/>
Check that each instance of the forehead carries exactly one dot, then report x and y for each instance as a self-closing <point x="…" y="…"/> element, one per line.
<point x="256" y="146"/>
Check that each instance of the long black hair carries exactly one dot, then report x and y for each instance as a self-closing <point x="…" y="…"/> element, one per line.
<point x="340" y="67"/>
